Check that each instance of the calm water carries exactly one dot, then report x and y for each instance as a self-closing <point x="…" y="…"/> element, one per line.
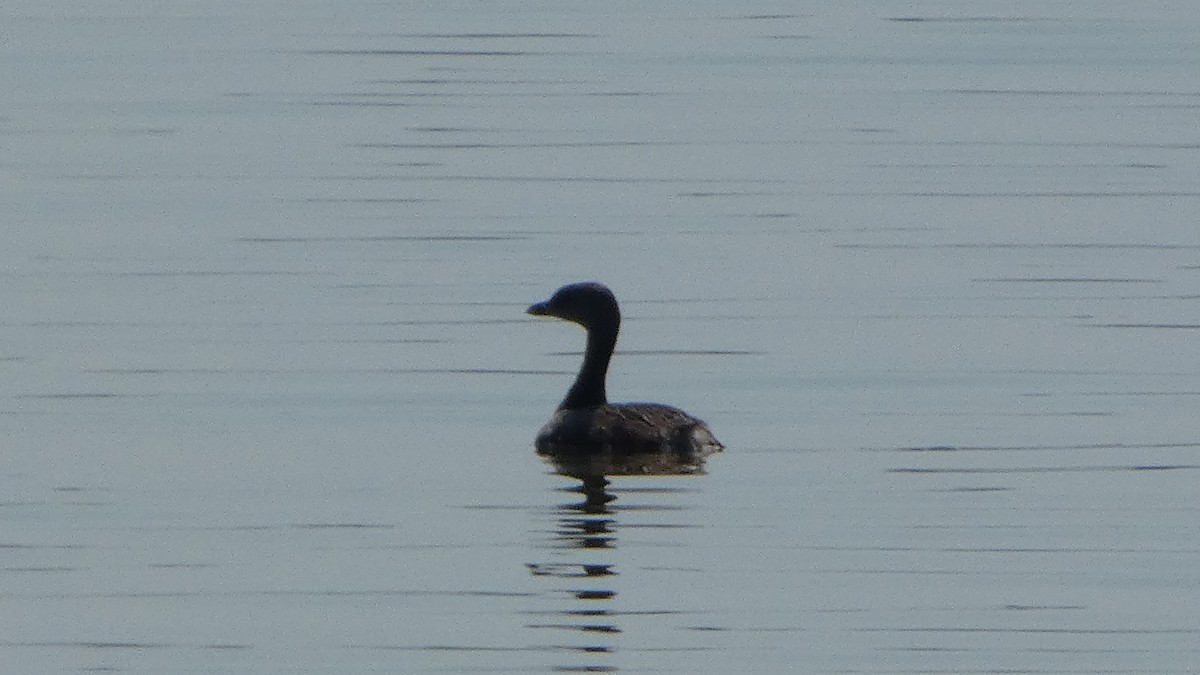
<point x="930" y="270"/>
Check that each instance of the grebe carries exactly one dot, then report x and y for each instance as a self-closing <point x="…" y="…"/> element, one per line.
<point x="586" y="422"/>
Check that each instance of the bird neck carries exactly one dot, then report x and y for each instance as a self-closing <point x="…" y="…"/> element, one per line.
<point x="589" y="390"/>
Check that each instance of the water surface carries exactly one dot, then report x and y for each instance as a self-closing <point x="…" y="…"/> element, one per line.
<point x="268" y="394"/>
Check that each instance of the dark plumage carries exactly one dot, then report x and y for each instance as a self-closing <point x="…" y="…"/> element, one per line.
<point x="587" y="423"/>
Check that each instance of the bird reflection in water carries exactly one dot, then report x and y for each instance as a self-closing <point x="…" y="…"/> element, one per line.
<point x="590" y="439"/>
<point x="585" y="536"/>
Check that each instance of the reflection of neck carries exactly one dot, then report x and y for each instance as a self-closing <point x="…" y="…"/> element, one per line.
<point x="588" y="390"/>
<point x="597" y="497"/>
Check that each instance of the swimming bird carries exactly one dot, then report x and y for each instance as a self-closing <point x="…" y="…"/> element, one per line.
<point x="586" y="423"/>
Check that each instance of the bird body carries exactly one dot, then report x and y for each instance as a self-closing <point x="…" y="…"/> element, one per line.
<point x="643" y="427"/>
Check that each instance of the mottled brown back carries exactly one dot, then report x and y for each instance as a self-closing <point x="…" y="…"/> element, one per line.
<point x="628" y="427"/>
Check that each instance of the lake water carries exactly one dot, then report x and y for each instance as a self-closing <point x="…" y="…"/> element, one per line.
<point x="930" y="270"/>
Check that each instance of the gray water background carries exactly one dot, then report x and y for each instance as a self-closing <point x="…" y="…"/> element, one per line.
<point x="930" y="270"/>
